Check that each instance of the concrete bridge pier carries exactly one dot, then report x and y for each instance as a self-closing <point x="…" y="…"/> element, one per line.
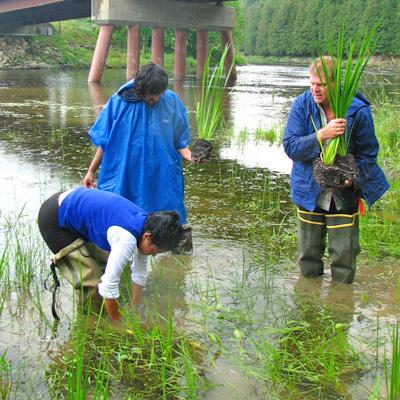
<point x="227" y="40"/>
<point x="180" y="54"/>
<point x="157" y="46"/>
<point x="182" y="15"/>
<point x="133" y="52"/>
<point x="202" y="51"/>
<point x="100" y="53"/>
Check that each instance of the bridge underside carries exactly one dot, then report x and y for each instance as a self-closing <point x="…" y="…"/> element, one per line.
<point x="17" y="13"/>
<point x="182" y="15"/>
<point x="161" y="13"/>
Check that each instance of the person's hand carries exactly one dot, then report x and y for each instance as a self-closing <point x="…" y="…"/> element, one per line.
<point x="334" y="128"/>
<point x="88" y="180"/>
<point x="199" y="159"/>
<point x="117" y="326"/>
<point x="347" y="182"/>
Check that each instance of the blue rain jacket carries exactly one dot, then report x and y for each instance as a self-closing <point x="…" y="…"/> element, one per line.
<point x="140" y="143"/>
<point x="301" y="145"/>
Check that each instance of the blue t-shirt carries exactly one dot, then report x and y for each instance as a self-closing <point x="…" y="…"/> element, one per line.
<point x="90" y="212"/>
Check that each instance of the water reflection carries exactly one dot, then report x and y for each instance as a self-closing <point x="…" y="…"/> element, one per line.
<point x="97" y="96"/>
<point x="254" y="154"/>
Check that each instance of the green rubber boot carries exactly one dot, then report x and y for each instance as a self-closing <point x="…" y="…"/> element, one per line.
<point x="344" y="246"/>
<point x="311" y="231"/>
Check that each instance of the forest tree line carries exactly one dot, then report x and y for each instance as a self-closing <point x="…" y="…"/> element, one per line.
<point x="299" y="27"/>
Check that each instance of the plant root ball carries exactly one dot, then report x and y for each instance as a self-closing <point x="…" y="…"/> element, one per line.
<point x="333" y="176"/>
<point x="201" y="151"/>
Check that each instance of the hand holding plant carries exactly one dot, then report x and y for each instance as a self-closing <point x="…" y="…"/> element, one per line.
<point x="335" y="127"/>
<point x="341" y="78"/>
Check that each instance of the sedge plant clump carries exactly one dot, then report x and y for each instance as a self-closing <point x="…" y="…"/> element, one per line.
<point x="342" y="84"/>
<point x="210" y="105"/>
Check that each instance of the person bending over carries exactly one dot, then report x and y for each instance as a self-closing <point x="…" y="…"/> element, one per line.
<point x="94" y="234"/>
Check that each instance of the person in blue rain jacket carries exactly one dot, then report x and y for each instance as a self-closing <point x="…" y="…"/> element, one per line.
<point x="142" y="135"/>
<point x="324" y="212"/>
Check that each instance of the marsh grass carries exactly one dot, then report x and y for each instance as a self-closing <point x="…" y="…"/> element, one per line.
<point x="271" y="135"/>
<point x="210" y="102"/>
<point x="307" y="353"/>
<point x="6" y="383"/>
<point x="380" y="227"/>
<point x="392" y="374"/>
<point x="139" y="360"/>
<point x="398" y="289"/>
<point x="5" y="286"/>
<point x="22" y="262"/>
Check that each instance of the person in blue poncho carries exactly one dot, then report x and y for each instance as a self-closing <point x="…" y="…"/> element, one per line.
<point x="333" y="212"/>
<point x="142" y="133"/>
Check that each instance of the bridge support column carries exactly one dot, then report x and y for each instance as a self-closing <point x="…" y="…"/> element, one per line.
<point x="100" y="53"/>
<point x="180" y="54"/>
<point x="133" y="52"/>
<point x="202" y="51"/>
<point x="227" y="40"/>
<point x="97" y="97"/>
<point x="157" y="46"/>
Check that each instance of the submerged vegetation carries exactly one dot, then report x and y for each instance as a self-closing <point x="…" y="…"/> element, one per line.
<point x="309" y="352"/>
<point x="132" y="362"/>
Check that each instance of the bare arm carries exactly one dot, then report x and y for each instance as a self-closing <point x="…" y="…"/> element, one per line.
<point x="88" y="180"/>
<point x="137" y="291"/>
<point x="186" y="154"/>
<point x="112" y="308"/>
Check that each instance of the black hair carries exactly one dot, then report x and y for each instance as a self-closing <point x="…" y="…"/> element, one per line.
<point x="165" y="229"/>
<point x="151" y="79"/>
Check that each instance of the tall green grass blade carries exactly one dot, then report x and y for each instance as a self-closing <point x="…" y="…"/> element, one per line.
<point x="210" y="104"/>
<point x="344" y="87"/>
<point x="392" y="379"/>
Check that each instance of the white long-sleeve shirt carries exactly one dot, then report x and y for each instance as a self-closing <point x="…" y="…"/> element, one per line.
<point x="124" y="249"/>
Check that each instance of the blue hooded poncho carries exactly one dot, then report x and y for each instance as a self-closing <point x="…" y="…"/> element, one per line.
<point x="140" y="146"/>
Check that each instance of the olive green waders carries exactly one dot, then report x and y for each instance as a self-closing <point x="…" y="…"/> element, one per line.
<point x="343" y="244"/>
<point x="82" y="265"/>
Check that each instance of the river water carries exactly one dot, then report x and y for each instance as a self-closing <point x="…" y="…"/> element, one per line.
<point x="44" y="148"/>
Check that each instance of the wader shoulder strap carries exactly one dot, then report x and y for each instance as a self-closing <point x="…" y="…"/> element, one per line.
<point x="62" y="253"/>
<point x="53" y="288"/>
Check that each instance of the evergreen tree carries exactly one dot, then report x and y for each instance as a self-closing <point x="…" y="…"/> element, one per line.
<point x="238" y="31"/>
<point x="296" y="27"/>
<point x="252" y="17"/>
<point x="389" y="24"/>
<point x="307" y="27"/>
<point x="264" y="29"/>
<point x="353" y="12"/>
<point x="278" y="26"/>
